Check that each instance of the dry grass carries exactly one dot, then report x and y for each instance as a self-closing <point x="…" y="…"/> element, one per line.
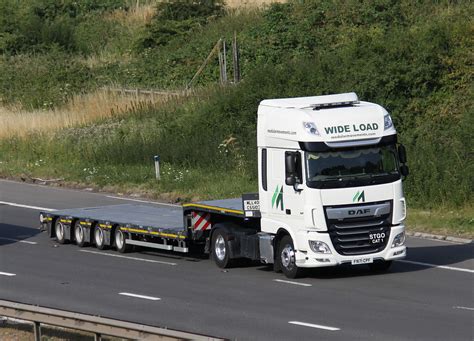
<point x="136" y="15"/>
<point x="250" y="3"/>
<point x="80" y="110"/>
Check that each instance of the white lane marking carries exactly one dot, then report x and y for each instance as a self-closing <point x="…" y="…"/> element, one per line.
<point x="295" y="283"/>
<point x="144" y="201"/>
<point x="19" y="240"/>
<point x="463" y="308"/>
<point x="27" y="206"/>
<point x="437" y="266"/>
<point x="7" y="274"/>
<point x="314" y="325"/>
<point x="151" y="298"/>
<point x="126" y="257"/>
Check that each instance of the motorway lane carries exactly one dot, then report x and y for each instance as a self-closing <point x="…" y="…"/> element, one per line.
<point x="410" y="302"/>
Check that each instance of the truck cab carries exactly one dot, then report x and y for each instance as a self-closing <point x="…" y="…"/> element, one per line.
<point x="330" y="182"/>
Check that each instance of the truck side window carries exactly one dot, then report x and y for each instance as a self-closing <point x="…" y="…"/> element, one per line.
<point x="264" y="169"/>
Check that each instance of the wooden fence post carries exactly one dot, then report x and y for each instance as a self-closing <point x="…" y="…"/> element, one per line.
<point x="236" y="59"/>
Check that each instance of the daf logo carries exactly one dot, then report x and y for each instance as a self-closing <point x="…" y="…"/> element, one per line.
<point x="358" y="212"/>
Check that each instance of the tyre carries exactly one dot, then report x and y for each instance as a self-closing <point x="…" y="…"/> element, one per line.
<point x="79" y="234"/>
<point x="286" y="258"/>
<point x="380" y="266"/>
<point x="59" y="229"/>
<point x="120" y="241"/>
<point x="99" y="238"/>
<point x="221" y="249"/>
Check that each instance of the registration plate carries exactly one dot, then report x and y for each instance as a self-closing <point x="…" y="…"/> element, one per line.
<point x="366" y="260"/>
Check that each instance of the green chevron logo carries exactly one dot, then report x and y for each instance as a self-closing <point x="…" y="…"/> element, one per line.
<point x="359" y="196"/>
<point x="277" y="199"/>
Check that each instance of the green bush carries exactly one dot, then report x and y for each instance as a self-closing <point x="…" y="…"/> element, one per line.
<point x="414" y="58"/>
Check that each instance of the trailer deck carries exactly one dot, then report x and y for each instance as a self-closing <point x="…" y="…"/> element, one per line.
<point x="157" y="221"/>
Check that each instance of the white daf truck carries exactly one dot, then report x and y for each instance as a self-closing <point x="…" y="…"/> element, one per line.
<point x="330" y="192"/>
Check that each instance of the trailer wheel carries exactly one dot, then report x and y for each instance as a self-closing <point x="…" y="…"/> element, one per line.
<point x="79" y="234"/>
<point x="220" y="249"/>
<point x="380" y="266"/>
<point x="60" y="232"/>
<point x="286" y="258"/>
<point x="99" y="238"/>
<point x="120" y="241"/>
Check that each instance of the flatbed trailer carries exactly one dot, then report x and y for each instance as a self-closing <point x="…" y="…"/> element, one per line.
<point x="161" y="227"/>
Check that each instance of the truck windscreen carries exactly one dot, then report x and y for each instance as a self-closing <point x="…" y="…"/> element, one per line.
<point x="354" y="167"/>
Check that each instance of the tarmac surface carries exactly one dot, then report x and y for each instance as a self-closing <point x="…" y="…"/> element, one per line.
<point x="427" y="296"/>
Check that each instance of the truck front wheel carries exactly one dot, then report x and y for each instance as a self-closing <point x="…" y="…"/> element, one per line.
<point x="221" y="249"/>
<point x="287" y="259"/>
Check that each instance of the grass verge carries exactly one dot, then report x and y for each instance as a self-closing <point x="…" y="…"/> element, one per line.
<point x="458" y="222"/>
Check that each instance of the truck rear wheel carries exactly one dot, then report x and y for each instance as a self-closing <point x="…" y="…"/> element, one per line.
<point x="220" y="249"/>
<point x="79" y="234"/>
<point x="120" y="241"/>
<point x="287" y="259"/>
<point x="99" y="238"/>
<point x="59" y="229"/>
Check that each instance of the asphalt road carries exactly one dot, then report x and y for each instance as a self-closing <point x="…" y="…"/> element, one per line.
<point x="428" y="297"/>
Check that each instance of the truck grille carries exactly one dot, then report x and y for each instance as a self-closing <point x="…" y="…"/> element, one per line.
<point x="350" y="227"/>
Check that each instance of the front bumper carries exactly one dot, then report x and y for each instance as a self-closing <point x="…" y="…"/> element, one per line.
<point x="306" y="258"/>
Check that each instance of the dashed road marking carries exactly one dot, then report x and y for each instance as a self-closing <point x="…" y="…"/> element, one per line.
<point x="126" y="257"/>
<point x="463" y="308"/>
<point x="151" y="298"/>
<point x="311" y="325"/>
<point x="27" y="206"/>
<point x="436" y="266"/>
<point x="143" y="201"/>
<point x="18" y="240"/>
<point x="7" y="274"/>
<point x="294" y="283"/>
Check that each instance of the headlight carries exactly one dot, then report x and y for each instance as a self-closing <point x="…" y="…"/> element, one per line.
<point x="310" y="127"/>
<point x="387" y="122"/>
<point x="399" y="239"/>
<point x="41" y="218"/>
<point x="319" y="247"/>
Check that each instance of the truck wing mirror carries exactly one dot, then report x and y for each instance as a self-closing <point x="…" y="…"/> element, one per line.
<point x="402" y="153"/>
<point x="290" y="164"/>
<point x="292" y="169"/>
<point x="404" y="170"/>
<point x="290" y="180"/>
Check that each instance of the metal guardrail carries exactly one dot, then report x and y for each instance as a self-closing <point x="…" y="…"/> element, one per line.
<point x="93" y="324"/>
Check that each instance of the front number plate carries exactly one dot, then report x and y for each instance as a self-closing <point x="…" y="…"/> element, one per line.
<point x="366" y="260"/>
